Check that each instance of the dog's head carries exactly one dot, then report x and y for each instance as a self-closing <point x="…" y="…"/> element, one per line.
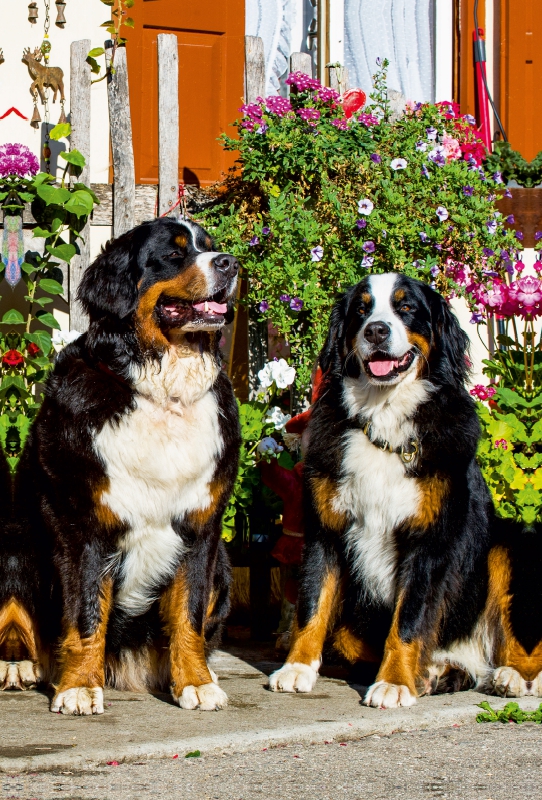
<point x="165" y="276"/>
<point x="389" y="327"/>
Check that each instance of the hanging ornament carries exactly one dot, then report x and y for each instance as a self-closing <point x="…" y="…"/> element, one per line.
<point x="13" y="247"/>
<point x="36" y="119"/>
<point x="33" y="13"/>
<point x="44" y="76"/>
<point x="2" y="59"/>
<point x="62" y="118"/>
<point x="60" y="18"/>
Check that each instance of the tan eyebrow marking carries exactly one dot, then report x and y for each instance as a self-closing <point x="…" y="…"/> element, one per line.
<point x="181" y="240"/>
<point x="399" y="294"/>
<point x="366" y="297"/>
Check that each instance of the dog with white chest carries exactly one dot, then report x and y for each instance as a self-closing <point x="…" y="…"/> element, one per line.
<point x="402" y="564"/>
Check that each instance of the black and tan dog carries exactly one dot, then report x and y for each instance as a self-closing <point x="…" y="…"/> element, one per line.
<point x="130" y="464"/>
<point x="402" y="562"/>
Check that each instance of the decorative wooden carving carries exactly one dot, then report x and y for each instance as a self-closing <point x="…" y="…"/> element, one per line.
<point x="43" y="76"/>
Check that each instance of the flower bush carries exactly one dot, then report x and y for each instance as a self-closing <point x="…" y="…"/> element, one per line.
<point x="26" y="343"/>
<point x="322" y="197"/>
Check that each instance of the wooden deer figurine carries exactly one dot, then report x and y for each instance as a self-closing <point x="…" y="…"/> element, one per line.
<point x="43" y="76"/>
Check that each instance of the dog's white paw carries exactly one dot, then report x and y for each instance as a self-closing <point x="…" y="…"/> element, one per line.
<point x="214" y="676"/>
<point x="208" y="697"/>
<point x="388" y="695"/>
<point x="19" y="675"/>
<point x="535" y="687"/>
<point x="293" y="677"/>
<point x="507" y="682"/>
<point x="82" y="701"/>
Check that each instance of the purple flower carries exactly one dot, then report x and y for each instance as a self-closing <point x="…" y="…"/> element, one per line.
<point x="302" y="82"/>
<point x="367" y="119"/>
<point x="368" y="247"/>
<point x="266" y="231"/>
<point x="538" y="236"/>
<point x="262" y="128"/>
<point x="488" y="252"/>
<point x="504" y="254"/>
<point x="510" y="219"/>
<point x="509" y="267"/>
<point x="418" y="264"/>
<point x="425" y="171"/>
<point x="436" y="155"/>
<point x="361" y="223"/>
<point x="399" y="163"/>
<point x="285" y="298"/>
<point x="278" y="105"/>
<point x="264" y="306"/>
<point x="254" y="241"/>
<point x="438" y="247"/>
<point x="519" y="235"/>
<point x="421" y="147"/>
<point x="296" y="304"/>
<point x="431" y="133"/>
<point x="252" y="110"/>
<point x="469" y="118"/>
<point x="476" y="318"/>
<point x="497" y="177"/>
<point x="468" y="191"/>
<point x="378" y="62"/>
<point x="442" y="213"/>
<point x="507" y="193"/>
<point x="365" y="206"/>
<point x="17" y="159"/>
<point x="317" y="253"/>
<point x="481" y="174"/>
<point x="375" y="158"/>
<point x="434" y="271"/>
<point x="423" y="236"/>
<point x="491" y="226"/>
<point x="367" y="261"/>
<point x="341" y="124"/>
<point x="309" y="114"/>
<point x="326" y="95"/>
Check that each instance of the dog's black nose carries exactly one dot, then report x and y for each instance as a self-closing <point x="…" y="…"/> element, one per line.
<point x="226" y="264"/>
<point x="377" y="332"/>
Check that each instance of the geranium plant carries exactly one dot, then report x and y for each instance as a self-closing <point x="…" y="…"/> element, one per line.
<point x="324" y="196"/>
<point x="60" y="210"/>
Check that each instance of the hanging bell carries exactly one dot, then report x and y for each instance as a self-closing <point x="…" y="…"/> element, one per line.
<point x="36" y="119"/>
<point x="60" y="18"/>
<point x="62" y="118"/>
<point x="33" y="13"/>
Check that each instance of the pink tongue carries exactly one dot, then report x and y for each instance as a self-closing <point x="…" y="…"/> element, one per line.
<point x="382" y="367"/>
<point x="216" y="308"/>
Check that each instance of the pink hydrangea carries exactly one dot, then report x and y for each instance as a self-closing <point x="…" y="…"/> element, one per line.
<point x="17" y="159"/>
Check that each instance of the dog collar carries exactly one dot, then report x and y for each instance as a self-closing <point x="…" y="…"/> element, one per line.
<point x="104" y="368"/>
<point x="407" y="453"/>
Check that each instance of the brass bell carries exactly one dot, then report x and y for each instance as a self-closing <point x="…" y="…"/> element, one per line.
<point x="62" y="119"/>
<point x="33" y="13"/>
<point x="36" y="119"/>
<point x="60" y="18"/>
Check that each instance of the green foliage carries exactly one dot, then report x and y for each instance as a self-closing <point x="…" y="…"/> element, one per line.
<point x="514" y="167"/>
<point x="298" y="187"/>
<point x="510" y="713"/>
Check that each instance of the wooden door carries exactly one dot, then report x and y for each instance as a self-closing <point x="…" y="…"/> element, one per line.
<point x="211" y="74"/>
<point x="521" y="74"/>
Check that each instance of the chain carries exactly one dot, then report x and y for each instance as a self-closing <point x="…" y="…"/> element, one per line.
<point x="46" y="49"/>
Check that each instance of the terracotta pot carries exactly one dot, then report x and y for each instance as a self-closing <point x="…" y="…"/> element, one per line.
<point x="526" y="207"/>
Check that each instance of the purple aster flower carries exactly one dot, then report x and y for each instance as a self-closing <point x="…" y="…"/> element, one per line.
<point x="254" y="241"/>
<point x="375" y="158"/>
<point x="497" y="177"/>
<point x="507" y="193"/>
<point x="361" y="223"/>
<point x="510" y="219"/>
<point x="431" y="133"/>
<point x="296" y="304"/>
<point x="317" y="253"/>
<point x="425" y="171"/>
<point x="488" y="252"/>
<point x="538" y="236"/>
<point x="285" y="298"/>
<point x="17" y="159"/>
<point x="434" y="271"/>
<point x="367" y="261"/>
<point x="341" y="124"/>
<point x="423" y="236"/>
<point x="442" y="213"/>
<point x="421" y="147"/>
<point x="519" y="235"/>
<point x="266" y="231"/>
<point x="491" y="226"/>
<point x="468" y="191"/>
<point x="399" y="163"/>
<point x="264" y="306"/>
<point x="369" y="247"/>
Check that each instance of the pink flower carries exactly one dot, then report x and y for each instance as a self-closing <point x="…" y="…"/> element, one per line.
<point x="302" y="82"/>
<point x="483" y="392"/>
<point x="278" y="105"/>
<point x="309" y="114"/>
<point x="452" y="148"/>
<point x="526" y="295"/>
<point x="501" y="443"/>
<point x="17" y="159"/>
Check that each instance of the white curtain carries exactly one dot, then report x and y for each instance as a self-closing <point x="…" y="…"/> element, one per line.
<point x="271" y="19"/>
<point x="399" y="30"/>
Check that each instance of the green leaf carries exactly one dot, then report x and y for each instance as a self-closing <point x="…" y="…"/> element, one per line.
<point x="80" y="200"/>
<point x="12" y="317"/>
<point x="95" y="68"/>
<point x="193" y="754"/>
<point x="42" y="339"/>
<point x="96" y="51"/>
<point x="60" y="131"/>
<point x="86" y="189"/>
<point x="63" y="251"/>
<point x="129" y="22"/>
<point x="73" y="157"/>
<point x="53" y="195"/>
<point x="47" y="318"/>
<point x="41" y="233"/>
<point x="51" y="286"/>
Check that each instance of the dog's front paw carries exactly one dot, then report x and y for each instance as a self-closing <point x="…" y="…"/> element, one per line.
<point x="507" y="682"/>
<point x="293" y="677"/>
<point x="207" y="697"/>
<point x="19" y="675"/>
<point x="388" y="695"/>
<point x="82" y="701"/>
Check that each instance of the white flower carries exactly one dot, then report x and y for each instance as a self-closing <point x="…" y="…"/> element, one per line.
<point x="265" y="377"/>
<point x="317" y="253"/>
<point x="269" y="446"/>
<point x="421" y="147"/>
<point x="62" y="338"/>
<point x="442" y="213"/>
<point x="278" y="419"/>
<point x="365" y="206"/>
<point x="399" y="163"/>
<point x="367" y="261"/>
<point x="282" y="373"/>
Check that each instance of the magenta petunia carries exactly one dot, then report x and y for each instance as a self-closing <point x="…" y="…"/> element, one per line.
<point x="17" y="159"/>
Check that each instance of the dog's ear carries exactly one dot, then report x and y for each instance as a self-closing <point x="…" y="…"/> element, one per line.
<point x="109" y="285"/>
<point x="451" y="341"/>
<point x="330" y="356"/>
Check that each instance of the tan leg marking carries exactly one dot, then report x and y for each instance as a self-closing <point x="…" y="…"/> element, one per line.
<point x="352" y="647"/>
<point x="434" y="491"/>
<point x="324" y="492"/>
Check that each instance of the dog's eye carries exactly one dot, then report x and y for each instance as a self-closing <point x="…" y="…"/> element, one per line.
<point x="361" y="311"/>
<point x="174" y="254"/>
<point x="405" y="307"/>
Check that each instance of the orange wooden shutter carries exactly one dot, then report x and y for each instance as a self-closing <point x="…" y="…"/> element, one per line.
<point x="211" y="69"/>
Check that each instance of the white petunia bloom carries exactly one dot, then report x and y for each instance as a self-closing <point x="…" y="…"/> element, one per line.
<point x="278" y="419"/>
<point x="269" y="446"/>
<point x="282" y="373"/>
<point x="61" y="338"/>
<point x="399" y="163"/>
<point x="265" y="377"/>
<point x="365" y="206"/>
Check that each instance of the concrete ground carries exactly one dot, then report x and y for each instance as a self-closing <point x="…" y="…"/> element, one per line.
<point x="265" y="745"/>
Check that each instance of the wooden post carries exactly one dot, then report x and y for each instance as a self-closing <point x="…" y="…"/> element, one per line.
<point x="301" y="62"/>
<point x="254" y="68"/>
<point x="120" y="125"/>
<point x="79" y="140"/>
<point x="168" y="123"/>
<point x="338" y="79"/>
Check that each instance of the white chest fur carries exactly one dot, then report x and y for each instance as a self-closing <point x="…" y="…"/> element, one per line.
<point x="375" y="488"/>
<point x="159" y="460"/>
